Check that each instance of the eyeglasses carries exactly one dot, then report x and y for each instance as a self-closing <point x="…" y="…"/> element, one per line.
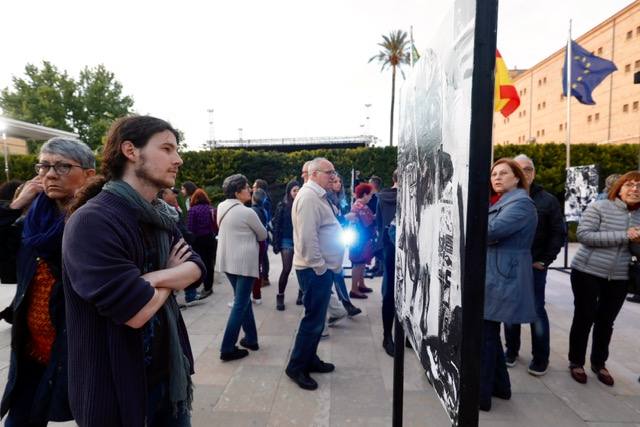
<point x="61" y="168"/>
<point x="630" y="184"/>
<point x="528" y="169"/>
<point x="330" y="172"/>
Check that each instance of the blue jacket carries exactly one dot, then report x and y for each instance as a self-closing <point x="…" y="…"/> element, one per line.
<point x="508" y="293"/>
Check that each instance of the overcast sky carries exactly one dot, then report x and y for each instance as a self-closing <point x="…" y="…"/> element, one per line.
<point x="277" y="68"/>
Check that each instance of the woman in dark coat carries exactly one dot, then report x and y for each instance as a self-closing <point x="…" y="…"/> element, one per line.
<point x="200" y="225"/>
<point x="36" y="390"/>
<point x="508" y="295"/>
<point x="283" y="238"/>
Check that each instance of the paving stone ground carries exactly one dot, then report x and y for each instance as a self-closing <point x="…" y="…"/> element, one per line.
<point x="255" y="391"/>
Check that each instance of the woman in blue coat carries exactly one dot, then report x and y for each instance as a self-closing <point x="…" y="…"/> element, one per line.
<point x="508" y="295"/>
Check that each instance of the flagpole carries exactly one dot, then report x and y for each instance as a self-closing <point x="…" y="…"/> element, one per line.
<point x="569" y="59"/>
<point x="411" y="47"/>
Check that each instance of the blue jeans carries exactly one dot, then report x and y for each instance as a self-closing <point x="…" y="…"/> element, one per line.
<point x="316" y="293"/>
<point x="160" y="410"/>
<point x="494" y="378"/>
<point x="539" y="328"/>
<point x="388" y="289"/>
<point x="341" y="287"/>
<point x="241" y="314"/>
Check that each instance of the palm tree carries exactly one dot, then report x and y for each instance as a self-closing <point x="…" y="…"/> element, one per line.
<point x="394" y="53"/>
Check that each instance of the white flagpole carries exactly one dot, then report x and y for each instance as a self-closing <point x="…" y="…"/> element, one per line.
<point x="411" y="47"/>
<point x="569" y="59"/>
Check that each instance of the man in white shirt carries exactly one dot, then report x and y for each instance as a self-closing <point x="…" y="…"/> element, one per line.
<point x="318" y="254"/>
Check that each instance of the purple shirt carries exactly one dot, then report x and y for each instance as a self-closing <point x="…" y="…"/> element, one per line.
<point x="200" y="222"/>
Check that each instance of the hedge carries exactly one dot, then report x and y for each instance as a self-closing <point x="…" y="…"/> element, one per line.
<point x="209" y="168"/>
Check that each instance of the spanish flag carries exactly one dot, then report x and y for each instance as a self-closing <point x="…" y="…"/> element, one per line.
<point x="506" y="99"/>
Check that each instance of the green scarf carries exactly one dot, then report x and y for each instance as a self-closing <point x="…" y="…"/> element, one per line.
<point x="155" y="215"/>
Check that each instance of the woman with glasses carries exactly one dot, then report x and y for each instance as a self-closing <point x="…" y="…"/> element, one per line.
<point x="240" y="230"/>
<point x="36" y="390"/>
<point x="600" y="274"/>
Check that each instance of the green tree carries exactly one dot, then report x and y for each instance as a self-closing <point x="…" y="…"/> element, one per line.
<point x="49" y="97"/>
<point x="42" y="97"/>
<point x="98" y="103"/>
<point x="394" y="53"/>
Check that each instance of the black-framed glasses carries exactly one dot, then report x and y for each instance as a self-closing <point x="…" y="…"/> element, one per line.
<point x="61" y="168"/>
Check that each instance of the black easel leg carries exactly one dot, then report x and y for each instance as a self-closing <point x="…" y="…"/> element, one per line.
<point x="398" y="374"/>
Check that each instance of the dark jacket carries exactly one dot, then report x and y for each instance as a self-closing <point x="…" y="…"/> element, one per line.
<point x="282" y="226"/>
<point x="551" y="231"/>
<point x="386" y="212"/>
<point x="50" y="400"/>
<point x="103" y="290"/>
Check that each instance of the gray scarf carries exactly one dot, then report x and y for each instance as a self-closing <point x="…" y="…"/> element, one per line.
<point x="155" y="215"/>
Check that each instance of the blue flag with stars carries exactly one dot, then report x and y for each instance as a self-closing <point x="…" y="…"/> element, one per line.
<point x="587" y="72"/>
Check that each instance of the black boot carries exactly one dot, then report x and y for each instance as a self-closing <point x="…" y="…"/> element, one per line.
<point x="280" y="302"/>
<point x="299" y="300"/>
<point x="634" y="298"/>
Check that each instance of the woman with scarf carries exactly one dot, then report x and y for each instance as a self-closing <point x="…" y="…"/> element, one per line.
<point x="508" y="292"/>
<point x="283" y="238"/>
<point x="36" y="390"/>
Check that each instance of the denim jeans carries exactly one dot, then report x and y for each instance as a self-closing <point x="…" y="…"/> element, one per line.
<point x="539" y="328"/>
<point x="316" y="290"/>
<point x="341" y="287"/>
<point x="388" y="289"/>
<point x="241" y="314"/>
<point x="160" y="410"/>
<point x="597" y="303"/>
<point x="494" y="378"/>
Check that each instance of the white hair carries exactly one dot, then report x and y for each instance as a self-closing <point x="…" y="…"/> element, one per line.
<point x="524" y="157"/>
<point x="316" y="164"/>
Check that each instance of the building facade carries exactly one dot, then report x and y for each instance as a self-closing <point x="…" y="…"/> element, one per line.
<point x="615" y="118"/>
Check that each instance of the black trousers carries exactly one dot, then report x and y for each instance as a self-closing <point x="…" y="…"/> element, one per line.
<point x="206" y="246"/>
<point x="597" y="303"/>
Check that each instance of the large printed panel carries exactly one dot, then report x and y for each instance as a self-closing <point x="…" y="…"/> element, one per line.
<point x="581" y="189"/>
<point x="433" y="157"/>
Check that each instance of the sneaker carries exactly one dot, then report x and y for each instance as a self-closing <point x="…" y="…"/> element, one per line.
<point x="333" y="320"/>
<point x="538" y="369"/>
<point x="256" y="301"/>
<point x="325" y="332"/>
<point x="351" y="309"/>
<point x="510" y="360"/>
<point x="205" y="294"/>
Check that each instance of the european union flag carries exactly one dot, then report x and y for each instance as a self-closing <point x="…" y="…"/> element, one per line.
<point x="587" y="72"/>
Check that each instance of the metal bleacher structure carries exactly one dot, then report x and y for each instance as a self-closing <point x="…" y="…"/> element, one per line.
<point x="295" y="144"/>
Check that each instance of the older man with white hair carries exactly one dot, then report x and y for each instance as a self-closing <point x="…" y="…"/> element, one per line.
<point x="549" y="239"/>
<point x="318" y="254"/>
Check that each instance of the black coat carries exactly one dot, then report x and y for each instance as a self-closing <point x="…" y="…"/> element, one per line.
<point x="282" y="226"/>
<point x="51" y="400"/>
<point x="551" y="230"/>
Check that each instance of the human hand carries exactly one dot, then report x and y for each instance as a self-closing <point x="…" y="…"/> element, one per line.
<point x="538" y="265"/>
<point x="29" y="192"/>
<point x="180" y="252"/>
<point x="633" y="234"/>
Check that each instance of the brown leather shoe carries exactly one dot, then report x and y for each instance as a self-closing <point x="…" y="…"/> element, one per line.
<point x="603" y="376"/>
<point x="578" y="374"/>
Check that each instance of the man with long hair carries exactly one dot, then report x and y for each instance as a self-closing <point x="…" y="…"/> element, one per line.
<point x="130" y="361"/>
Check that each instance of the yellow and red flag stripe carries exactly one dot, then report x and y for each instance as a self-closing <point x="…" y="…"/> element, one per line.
<point x="506" y="99"/>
